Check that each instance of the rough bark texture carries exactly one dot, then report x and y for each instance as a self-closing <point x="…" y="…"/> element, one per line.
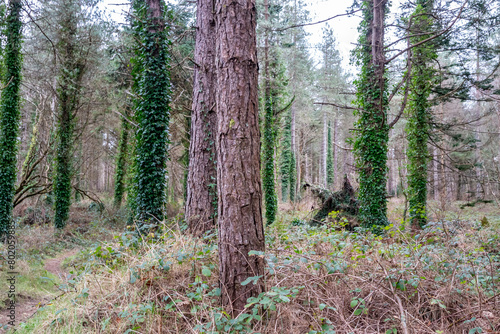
<point x="238" y="151"/>
<point x="201" y="201"/>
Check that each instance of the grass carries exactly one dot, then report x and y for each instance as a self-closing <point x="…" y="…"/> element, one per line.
<point x="319" y="280"/>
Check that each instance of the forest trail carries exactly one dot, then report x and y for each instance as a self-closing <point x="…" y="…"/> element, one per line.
<point x="26" y="306"/>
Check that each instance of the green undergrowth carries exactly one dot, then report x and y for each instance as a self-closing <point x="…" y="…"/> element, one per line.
<point x="319" y="280"/>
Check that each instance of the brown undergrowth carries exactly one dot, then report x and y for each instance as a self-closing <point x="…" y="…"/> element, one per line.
<point x="319" y="280"/>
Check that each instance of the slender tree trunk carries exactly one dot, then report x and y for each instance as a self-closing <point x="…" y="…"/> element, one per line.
<point x="269" y="132"/>
<point x="436" y="172"/>
<point x="201" y="200"/>
<point x="308" y="172"/>
<point x="477" y="153"/>
<point x="324" y="151"/>
<point x="238" y="151"/>
<point x="335" y="152"/>
<point x="121" y="162"/>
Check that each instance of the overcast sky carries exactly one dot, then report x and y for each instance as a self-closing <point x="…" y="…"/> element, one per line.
<point x="344" y="28"/>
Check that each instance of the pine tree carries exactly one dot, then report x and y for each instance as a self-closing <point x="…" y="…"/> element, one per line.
<point x="201" y="199"/>
<point x="10" y="114"/>
<point x="238" y="154"/>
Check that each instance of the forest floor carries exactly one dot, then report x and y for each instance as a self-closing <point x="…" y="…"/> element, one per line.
<point x="27" y="306"/>
<point x="95" y="278"/>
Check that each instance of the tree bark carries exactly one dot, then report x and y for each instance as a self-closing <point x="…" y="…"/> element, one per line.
<point x="238" y="151"/>
<point x="201" y="208"/>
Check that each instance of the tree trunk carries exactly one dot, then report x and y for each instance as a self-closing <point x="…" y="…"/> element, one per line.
<point x="152" y="83"/>
<point x="335" y="151"/>
<point x="372" y="132"/>
<point x="436" y="172"/>
<point x="10" y="114"/>
<point x="68" y="91"/>
<point x="324" y="152"/>
<point x="238" y="151"/>
<point x="201" y="207"/>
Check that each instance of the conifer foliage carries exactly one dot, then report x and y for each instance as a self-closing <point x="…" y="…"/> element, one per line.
<point x="9" y="113"/>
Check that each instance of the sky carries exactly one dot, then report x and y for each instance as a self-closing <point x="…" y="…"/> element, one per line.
<point x="344" y="28"/>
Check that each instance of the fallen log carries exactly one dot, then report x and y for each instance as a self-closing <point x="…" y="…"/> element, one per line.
<point x="343" y="201"/>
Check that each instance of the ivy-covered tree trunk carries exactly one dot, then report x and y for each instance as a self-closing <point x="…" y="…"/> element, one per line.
<point x="270" y="198"/>
<point x="330" y="168"/>
<point x="238" y="154"/>
<point x="68" y="91"/>
<point x="122" y="162"/>
<point x="419" y="112"/>
<point x="10" y="114"/>
<point x="324" y="152"/>
<point x="372" y="132"/>
<point x="201" y="201"/>
<point x="286" y="157"/>
<point x="152" y="90"/>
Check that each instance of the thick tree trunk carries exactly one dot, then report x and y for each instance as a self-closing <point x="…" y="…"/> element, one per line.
<point x="238" y="151"/>
<point x="201" y="197"/>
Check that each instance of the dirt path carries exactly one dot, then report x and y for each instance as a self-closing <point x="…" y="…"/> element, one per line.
<point x="27" y="306"/>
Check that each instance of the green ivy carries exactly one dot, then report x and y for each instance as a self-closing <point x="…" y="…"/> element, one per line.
<point x="287" y="163"/>
<point x="418" y="110"/>
<point x="121" y="163"/>
<point x="152" y="113"/>
<point x="10" y="113"/>
<point x="330" y="168"/>
<point x="68" y="91"/>
<point x="286" y="149"/>
<point x="270" y="198"/>
<point x="371" y="131"/>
